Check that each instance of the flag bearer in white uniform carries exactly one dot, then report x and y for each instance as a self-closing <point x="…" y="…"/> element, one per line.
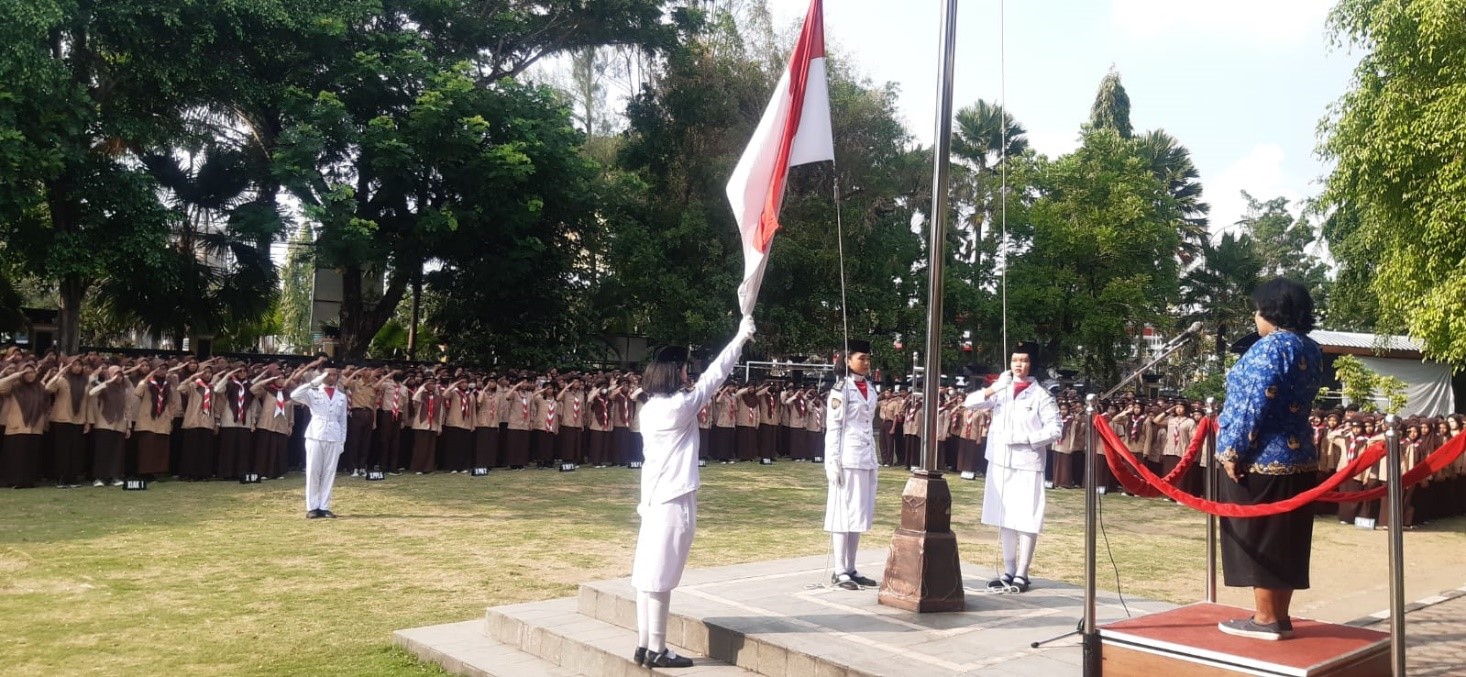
<point x="850" y="464"/>
<point x="325" y="437"/>
<point x="669" y="482"/>
<point x="1025" y="422"/>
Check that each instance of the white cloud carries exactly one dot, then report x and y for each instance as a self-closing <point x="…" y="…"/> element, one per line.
<point x="1260" y="173"/>
<point x="1268" y="21"/>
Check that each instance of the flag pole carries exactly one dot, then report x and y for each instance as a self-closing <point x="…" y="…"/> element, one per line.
<point x="923" y="571"/>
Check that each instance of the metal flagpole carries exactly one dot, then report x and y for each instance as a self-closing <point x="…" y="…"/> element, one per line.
<point x="931" y="387"/>
<point x="1397" y="547"/>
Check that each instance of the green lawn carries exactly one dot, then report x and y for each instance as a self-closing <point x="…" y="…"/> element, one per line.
<point x="220" y="578"/>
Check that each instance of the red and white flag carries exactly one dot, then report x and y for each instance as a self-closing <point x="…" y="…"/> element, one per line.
<point x="794" y="130"/>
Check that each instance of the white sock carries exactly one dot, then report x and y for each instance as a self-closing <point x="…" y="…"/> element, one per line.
<point x="838" y="538"/>
<point x="642" y="625"/>
<point x="852" y="543"/>
<point x="658" y="604"/>
<point x="1026" y="542"/>
<point x="1009" y="539"/>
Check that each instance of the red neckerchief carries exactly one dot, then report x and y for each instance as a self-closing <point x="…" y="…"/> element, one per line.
<point x="1175" y="435"/>
<point x="550" y="415"/>
<point x="396" y="401"/>
<point x="602" y="411"/>
<point x="159" y="389"/>
<point x="625" y="410"/>
<point x="463" y="405"/>
<point x="770" y="401"/>
<point x="702" y="414"/>
<point x="432" y="406"/>
<point x="208" y="403"/>
<point x="1136" y="423"/>
<point x="864" y="389"/>
<point x="279" y="401"/>
<point x="241" y="401"/>
<point x="1020" y="387"/>
<point x="576" y="408"/>
<point x="733" y="409"/>
<point x="330" y="392"/>
<point x="801" y="406"/>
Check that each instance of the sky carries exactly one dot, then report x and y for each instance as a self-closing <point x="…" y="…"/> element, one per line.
<point x="1242" y="84"/>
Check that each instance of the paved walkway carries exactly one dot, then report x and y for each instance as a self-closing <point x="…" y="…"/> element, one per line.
<point x="1435" y="635"/>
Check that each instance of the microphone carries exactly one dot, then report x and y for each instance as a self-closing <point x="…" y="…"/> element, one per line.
<point x="1184" y="336"/>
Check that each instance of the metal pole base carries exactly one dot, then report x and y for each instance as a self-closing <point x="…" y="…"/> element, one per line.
<point x="1093" y="665"/>
<point x="923" y="571"/>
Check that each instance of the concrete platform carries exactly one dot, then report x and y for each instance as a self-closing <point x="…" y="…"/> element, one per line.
<point x="782" y="618"/>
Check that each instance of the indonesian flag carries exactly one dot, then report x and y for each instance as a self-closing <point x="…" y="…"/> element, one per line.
<point x="794" y="130"/>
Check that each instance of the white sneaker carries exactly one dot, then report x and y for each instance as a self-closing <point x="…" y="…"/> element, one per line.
<point x="99" y="483"/>
<point x="116" y="483"/>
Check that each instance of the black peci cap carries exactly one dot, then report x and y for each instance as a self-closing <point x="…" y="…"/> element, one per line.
<point x="672" y="354"/>
<point x="858" y="346"/>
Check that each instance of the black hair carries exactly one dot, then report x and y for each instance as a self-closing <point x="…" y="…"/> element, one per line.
<point x="1285" y="303"/>
<point x="662" y="378"/>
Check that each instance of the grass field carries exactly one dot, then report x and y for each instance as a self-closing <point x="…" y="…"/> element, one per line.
<point x="224" y="579"/>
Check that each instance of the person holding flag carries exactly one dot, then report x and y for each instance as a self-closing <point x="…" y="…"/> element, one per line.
<point x="669" y="483"/>
<point x="850" y="465"/>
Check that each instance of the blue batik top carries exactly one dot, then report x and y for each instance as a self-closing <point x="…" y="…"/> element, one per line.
<point x="1264" y="425"/>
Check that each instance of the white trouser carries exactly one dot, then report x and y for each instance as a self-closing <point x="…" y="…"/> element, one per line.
<point x="320" y="472"/>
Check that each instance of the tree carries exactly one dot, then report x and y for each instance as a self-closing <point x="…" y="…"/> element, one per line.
<point x="1218" y="291"/>
<point x="298" y="277"/>
<point x="1398" y="141"/>
<point x="1100" y="256"/>
<point x="1361" y="385"/>
<point x="1171" y="163"/>
<point x="1111" y="108"/>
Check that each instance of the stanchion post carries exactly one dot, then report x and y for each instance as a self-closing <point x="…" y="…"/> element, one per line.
<point x="1091" y="513"/>
<point x="1211" y="495"/>
<point x="1397" y="547"/>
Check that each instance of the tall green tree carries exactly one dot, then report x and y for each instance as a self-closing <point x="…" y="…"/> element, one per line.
<point x="1398" y="141"/>
<point x="1100" y="259"/>
<point x="1111" y="107"/>
<point x="1218" y="290"/>
<point x="1283" y="242"/>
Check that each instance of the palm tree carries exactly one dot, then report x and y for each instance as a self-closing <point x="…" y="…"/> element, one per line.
<point x="218" y="270"/>
<point x="1171" y="163"/>
<point x="1218" y="291"/>
<point x="986" y="134"/>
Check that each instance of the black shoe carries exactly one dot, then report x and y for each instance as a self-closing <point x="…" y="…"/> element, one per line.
<point x="1000" y="582"/>
<point x="845" y="582"/>
<point x="312" y="514"/>
<point x="1285" y="628"/>
<point x="1247" y="627"/>
<point x="863" y="581"/>
<point x="667" y="659"/>
<point x="328" y="513"/>
<point x="640" y="656"/>
<point x="1019" y="582"/>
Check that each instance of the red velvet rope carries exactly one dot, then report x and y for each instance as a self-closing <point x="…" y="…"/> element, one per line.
<point x="1188" y="459"/>
<point x="1439" y="459"/>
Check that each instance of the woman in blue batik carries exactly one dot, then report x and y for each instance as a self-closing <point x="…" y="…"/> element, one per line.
<point x="1267" y="452"/>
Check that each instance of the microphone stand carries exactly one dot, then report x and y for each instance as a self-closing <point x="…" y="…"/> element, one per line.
<point x="1086" y="625"/>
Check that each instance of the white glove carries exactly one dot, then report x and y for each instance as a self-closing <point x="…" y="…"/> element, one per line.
<point x="1005" y="380"/>
<point x="319" y="379"/>
<point x="745" y="328"/>
<point x="833" y="474"/>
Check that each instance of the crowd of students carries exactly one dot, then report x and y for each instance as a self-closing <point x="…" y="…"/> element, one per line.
<point x="103" y="418"/>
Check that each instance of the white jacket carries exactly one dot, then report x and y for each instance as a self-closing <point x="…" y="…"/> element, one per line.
<point x="1023" y="427"/>
<point x="328" y="414"/>
<point x="849" y="437"/>
<point x="669" y="431"/>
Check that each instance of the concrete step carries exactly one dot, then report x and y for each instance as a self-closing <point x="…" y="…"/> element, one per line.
<point x="556" y="632"/>
<point x="761" y="645"/>
<point x="462" y="649"/>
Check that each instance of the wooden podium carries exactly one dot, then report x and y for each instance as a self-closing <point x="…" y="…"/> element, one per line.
<point x="1185" y="642"/>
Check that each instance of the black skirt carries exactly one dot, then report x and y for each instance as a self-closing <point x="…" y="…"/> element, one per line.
<point x="1267" y="552"/>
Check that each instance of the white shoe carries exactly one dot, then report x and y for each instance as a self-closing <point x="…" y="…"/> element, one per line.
<point x="99" y="483"/>
<point x="116" y="483"/>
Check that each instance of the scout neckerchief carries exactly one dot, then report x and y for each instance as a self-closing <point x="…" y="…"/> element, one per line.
<point x="240" y="399"/>
<point x="702" y="414"/>
<point x="575" y="402"/>
<point x="550" y="415"/>
<point x="396" y="401"/>
<point x="799" y="404"/>
<point x="732" y="409"/>
<point x="463" y="405"/>
<point x="864" y="389"/>
<point x="432" y="402"/>
<point x="602" y="411"/>
<point x="279" y="399"/>
<point x="208" y="402"/>
<point x="159" y="396"/>
<point x="1136" y="423"/>
<point x="770" y="401"/>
